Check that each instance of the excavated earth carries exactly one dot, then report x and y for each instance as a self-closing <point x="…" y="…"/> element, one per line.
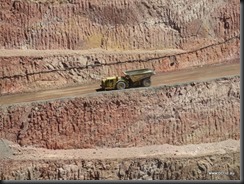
<point x="55" y="126"/>
<point x="106" y="37"/>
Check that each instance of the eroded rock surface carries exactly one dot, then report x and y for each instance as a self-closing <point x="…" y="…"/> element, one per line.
<point x="118" y="24"/>
<point x="37" y="71"/>
<point x="207" y="31"/>
<point x="182" y="114"/>
<point x="209" y="161"/>
<point x="186" y="131"/>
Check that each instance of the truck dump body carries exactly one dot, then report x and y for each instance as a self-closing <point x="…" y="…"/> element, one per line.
<point x="131" y="78"/>
<point x="140" y="74"/>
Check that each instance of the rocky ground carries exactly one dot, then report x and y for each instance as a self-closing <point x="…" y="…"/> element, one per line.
<point x="190" y="113"/>
<point x="218" y="161"/>
<point x="84" y="40"/>
<point x="53" y="126"/>
<point x="193" y="127"/>
<point x="26" y="72"/>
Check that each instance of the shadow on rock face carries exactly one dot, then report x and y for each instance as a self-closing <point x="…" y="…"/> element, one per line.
<point x="5" y="150"/>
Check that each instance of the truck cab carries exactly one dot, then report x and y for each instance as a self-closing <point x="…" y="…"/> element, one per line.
<point x="131" y="78"/>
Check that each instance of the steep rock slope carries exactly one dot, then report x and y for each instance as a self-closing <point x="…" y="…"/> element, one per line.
<point x="39" y="70"/>
<point x="209" y="161"/>
<point x="117" y="24"/>
<point x="192" y="113"/>
<point x="207" y="31"/>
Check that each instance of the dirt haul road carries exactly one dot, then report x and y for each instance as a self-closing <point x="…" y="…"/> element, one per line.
<point x="169" y="78"/>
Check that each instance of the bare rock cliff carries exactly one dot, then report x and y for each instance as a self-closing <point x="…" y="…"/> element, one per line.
<point x="183" y="114"/>
<point x="117" y="24"/>
<point x="43" y="70"/>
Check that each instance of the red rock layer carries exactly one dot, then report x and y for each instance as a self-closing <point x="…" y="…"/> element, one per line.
<point x="33" y="73"/>
<point x="187" y="114"/>
<point x="156" y="168"/>
<point x="117" y="24"/>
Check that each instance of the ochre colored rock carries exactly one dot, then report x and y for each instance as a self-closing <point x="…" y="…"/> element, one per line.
<point x="182" y="114"/>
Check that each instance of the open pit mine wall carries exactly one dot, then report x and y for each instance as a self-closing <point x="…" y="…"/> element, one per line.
<point x="156" y="168"/>
<point x="117" y="24"/>
<point x="33" y="73"/>
<point x="191" y="113"/>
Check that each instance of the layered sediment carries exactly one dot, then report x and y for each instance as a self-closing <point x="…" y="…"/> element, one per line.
<point x="49" y="70"/>
<point x="211" y="161"/>
<point x="118" y="24"/>
<point x="187" y="131"/>
<point x="190" y="113"/>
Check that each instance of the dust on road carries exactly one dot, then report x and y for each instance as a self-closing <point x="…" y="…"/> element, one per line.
<point x="169" y="78"/>
<point x="166" y="150"/>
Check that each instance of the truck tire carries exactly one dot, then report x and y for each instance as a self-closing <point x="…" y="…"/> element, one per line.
<point x="120" y="85"/>
<point x="146" y="82"/>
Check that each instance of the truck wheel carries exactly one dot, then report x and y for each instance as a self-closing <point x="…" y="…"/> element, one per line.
<point x="146" y="82"/>
<point x="120" y="85"/>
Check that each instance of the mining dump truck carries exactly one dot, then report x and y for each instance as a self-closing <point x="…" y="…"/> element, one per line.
<point x="131" y="78"/>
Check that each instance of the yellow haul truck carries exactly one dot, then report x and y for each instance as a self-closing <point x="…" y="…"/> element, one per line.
<point x="131" y="78"/>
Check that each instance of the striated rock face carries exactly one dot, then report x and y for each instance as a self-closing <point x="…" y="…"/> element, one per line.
<point x="117" y="24"/>
<point x="206" y="31"/>
<point x="40" y="71"/>
<point x="183" y="114"/>
<point x="156" y="168"/>
<point x="60" y="43"/>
